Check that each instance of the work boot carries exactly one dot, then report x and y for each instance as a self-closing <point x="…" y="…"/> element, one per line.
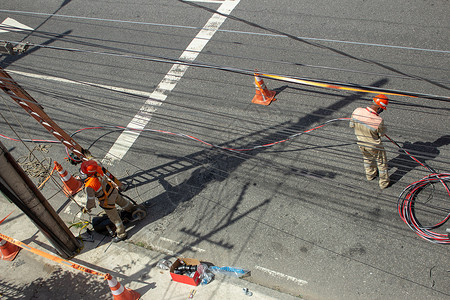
<point x="121" y="234"/>
<point x="385" y="185"/>
<point x="385" y="181"/>
<point x="371" y="175"/>
<point x="120" y="237"/>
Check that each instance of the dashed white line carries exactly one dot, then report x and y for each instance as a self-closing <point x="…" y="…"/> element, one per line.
<point x="196" y="249"/>
<point x="281" y="275"/>
<point x="164" y="250"/>
<point x="159" y="95"/>
<point x="208" y="1"/>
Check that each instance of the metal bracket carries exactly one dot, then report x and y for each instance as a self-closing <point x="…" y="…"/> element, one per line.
<point x="9" y="48"/>
<point x="21" y="47"/>
<point x="6" y="48"/>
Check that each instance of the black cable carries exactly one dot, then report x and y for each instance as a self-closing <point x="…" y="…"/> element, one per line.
<point x="407" y="203"/>
<point x="168" y="60"/>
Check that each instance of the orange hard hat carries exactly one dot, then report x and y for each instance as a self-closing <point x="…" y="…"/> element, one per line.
<point x="381" y="100"/>
<point x="90" y="167"/>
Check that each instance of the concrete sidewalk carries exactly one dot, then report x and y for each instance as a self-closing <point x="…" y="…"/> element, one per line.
<point x="32" y="277"/>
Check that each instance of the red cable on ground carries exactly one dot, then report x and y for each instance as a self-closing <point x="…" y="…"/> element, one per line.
<point x="189" y="136"/>
<point x="28" y="140"/>
<point x="406" y="201"/>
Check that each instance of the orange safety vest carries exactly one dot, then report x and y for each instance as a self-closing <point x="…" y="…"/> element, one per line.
<point x="101" y="193"/>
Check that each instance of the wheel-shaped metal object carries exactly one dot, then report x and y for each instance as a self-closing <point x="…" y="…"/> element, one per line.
<point x="139" y="214"/>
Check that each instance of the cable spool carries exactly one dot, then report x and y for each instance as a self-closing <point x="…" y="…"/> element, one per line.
<point x="407" y="209"/>
<point x="408" y="199"/>
<point x="407" y="203"/>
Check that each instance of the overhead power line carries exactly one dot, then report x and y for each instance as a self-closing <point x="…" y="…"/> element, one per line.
<point x="279" y="77"/>
<point x="221" y="30"/>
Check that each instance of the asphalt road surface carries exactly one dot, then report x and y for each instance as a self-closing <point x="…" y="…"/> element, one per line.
<point x="299" y="214"/>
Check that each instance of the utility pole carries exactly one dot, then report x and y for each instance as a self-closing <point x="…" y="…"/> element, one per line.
<point x="15" y="184"/>
<point x="21" y="97"/>
<point x="19" y="189"/>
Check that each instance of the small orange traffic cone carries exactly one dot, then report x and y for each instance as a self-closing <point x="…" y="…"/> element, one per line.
<point x="71" y="185"/>
<point x="263" y="95"/>
<point x="8" y="251"/>
<point x="119" y="292"/>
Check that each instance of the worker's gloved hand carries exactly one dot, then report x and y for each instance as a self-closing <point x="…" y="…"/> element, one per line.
<point x="84" y="210"/>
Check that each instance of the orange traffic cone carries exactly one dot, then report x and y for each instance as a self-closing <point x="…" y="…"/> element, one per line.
<point x="9" y="251"/>
<point x="119" y="292"/>
<point x="71" y="185"/>
<point x="263" y="95"/>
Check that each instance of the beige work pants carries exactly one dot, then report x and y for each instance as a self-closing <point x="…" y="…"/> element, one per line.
<point x="113" y="214"/>
<point x="375" y="159"/>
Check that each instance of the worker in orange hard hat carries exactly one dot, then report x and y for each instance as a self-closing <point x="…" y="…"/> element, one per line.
<point x="97" y="185"/>
<point x="369" y="128"/>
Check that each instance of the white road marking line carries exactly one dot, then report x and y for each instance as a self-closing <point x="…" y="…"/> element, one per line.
<point x="63" y="80"/>
<point x="164" y="250"/>
<point x="208" y="1"/>
<point x="127" y="138"/>
<point x="281" y="275"/>
<point x="10" y="24"/>
<point x="182" y="245"/>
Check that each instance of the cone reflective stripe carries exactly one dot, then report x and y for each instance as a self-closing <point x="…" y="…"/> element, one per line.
<point x="263" y="95"/>
<point x="115" y="286"/>
<point x="8" y="251"/>
<point x="71" y="185"/>
<point x="65" y="176"/>
<point x="119" y="292"/>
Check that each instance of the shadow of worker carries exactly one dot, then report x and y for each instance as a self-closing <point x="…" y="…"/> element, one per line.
<point x="422" y="151"/>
